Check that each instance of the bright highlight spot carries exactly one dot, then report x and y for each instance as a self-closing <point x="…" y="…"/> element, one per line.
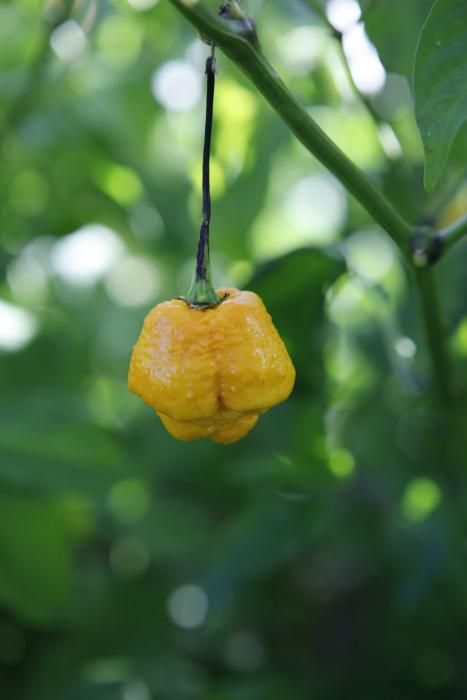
<point x="349" y="301"/>
<point x="188" y="606"/>
<point x="129" y="500"/>
<point x="370" y="254"/>
<point x="341" y="463"/>
<point x="17" y="327"/>
<point x="142" y="5"/>
<point x="343" y="13"/>
<point x="121" y="184"/>
<point x="302" y="47"/>
<point x="460" y="338"/>
<point x="177" y="86"/>
<point x="312" y="212"/>
<point x="316" y="208"/>
<point x="405" y="348"/>
<point x="236" y="109"/>
<point x="420" y="499"/>
<point x="366" y="68"/>
<point x="389" y="141"/>
<point x="133" y="282"/>
<point x="68" y="41"/>
<point x="85" y="256"/>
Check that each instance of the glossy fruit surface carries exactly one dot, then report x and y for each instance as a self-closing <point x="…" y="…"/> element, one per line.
<point x="209" y="373"/>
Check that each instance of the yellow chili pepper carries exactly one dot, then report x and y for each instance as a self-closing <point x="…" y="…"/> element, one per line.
<point x="209" y="372"/>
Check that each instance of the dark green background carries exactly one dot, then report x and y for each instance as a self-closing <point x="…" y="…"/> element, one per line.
<point x="330" y="545"/>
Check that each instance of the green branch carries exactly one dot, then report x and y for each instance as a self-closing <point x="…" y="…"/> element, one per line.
<point x="228" y="37"/>
<point x="452" y="234"/>
<point x="237" y="40"/>
<point x="435" y="331"/>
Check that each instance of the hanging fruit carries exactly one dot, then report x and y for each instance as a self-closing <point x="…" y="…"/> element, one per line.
<point x="211" y="363"/>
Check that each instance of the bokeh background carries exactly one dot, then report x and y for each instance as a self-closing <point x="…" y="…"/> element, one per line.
<point x="325" y="555"/>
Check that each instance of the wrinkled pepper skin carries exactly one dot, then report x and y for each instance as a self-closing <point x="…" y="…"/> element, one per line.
<point x="210" y="373"/>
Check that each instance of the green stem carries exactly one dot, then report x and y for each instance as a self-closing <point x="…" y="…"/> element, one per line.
<point x="238" y="45"/>
<point x="452" y="234"/>
<point x="250" y="59"/>
<point x="435" y="331"/>
<point x="202" y="292"/>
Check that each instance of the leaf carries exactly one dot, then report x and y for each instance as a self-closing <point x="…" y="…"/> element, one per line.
<point x="440" y="83"/>
<point x="63" y="451"/>
<point x="35" y="566"/>
<point x="387" y="31"/>
<point x="293" y="288"/>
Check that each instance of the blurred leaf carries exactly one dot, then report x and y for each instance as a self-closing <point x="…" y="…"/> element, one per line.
<point x="45" y="460"/>
<point x="35" y="565"/>
<point x="293" y="288"/>
<point x="440" y="83"/>
<point x="396" y="23"/>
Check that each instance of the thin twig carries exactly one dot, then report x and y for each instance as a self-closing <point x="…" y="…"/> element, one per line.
<point x="436" y="332"/>
<point x="452" y="234"/>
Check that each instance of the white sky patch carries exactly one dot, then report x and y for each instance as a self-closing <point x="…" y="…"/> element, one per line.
<point x="68" y="41"/>
<point x="177" y="86"/>
<point x="85" y="256"/>
<point x="17" y="327"/>
<point x="134" y="281"/>
<point x="343" y="13"/>
<point x="364" y="63"/>
<point x="188" y="606"/>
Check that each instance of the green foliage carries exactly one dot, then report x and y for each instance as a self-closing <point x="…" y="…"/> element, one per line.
<point x="396" y="40"/>
<point x="440" y="79"/>
<point x="33" y="539"/>
<point x="322" y="556"/>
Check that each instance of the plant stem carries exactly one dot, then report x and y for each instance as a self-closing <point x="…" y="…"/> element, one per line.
<point x="245" y="53"/>
<point x="435" y="332"/>
<point x="250" y="59"/>
<point x="202" y="292"/>
<point x="452" y="234"/>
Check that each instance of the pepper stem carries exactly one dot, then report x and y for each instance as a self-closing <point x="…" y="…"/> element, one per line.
<point x="202" y="292"/>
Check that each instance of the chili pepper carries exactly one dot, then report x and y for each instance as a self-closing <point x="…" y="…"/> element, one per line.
<point x="211" y="372"/>
<point x="210" y="364"/>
